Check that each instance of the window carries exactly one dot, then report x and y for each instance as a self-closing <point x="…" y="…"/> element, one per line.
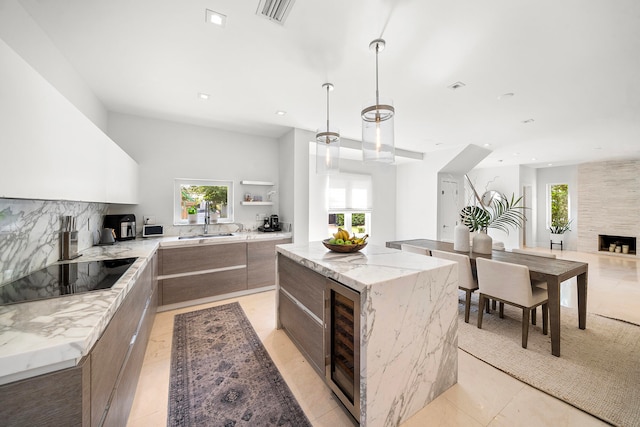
<point x="191" y="197"/>
<point x="350" y="203"/>
<point x="558" y="204"/>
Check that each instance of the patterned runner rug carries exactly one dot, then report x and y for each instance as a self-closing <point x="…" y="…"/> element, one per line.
<point x="221" y="375"/>
<point x="598" y="370"/>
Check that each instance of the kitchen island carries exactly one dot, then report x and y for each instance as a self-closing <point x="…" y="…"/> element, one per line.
<point x="407" y="333"/>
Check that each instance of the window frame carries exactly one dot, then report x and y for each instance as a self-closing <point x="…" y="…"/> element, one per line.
<point x="177" y="199"/>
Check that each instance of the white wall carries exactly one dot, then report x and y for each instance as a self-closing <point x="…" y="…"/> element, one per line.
<point x="528" y="178"/>
<point x="417" y="195"/>
<point x="26" y="38"/>
<point x="168" y="150"/>
<point x="557" y="175"/>
<point x="286" y="193"/>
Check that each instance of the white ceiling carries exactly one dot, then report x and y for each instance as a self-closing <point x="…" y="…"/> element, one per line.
<point x="573" y="66"/>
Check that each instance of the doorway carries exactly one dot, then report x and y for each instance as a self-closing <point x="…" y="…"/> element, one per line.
<point x="448" y="208"/>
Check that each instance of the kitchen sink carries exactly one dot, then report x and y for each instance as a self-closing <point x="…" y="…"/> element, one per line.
<point x="206" y="236"/>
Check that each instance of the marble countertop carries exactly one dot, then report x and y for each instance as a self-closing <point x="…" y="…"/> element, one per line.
<point x="48" y="335"/>
<point x="373" y="265"/>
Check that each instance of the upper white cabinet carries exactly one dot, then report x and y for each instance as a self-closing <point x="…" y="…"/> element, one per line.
<point x="50" y="150"/>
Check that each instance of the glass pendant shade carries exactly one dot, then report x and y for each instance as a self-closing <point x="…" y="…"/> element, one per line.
<point x="378" y="134"/>
<point x="327" y="145"/>
<point x="377" y="123"/>
<point x="328" y="153"/>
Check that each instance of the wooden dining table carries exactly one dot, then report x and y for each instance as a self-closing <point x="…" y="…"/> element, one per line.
<point x="553" y="271"/>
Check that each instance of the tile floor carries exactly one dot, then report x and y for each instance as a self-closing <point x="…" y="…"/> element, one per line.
<point x="483" y="395"/>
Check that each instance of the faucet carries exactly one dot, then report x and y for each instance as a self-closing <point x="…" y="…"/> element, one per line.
<point x="207" y="217"/>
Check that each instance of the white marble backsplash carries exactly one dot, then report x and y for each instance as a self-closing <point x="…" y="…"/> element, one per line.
<point x="30" y="232"/>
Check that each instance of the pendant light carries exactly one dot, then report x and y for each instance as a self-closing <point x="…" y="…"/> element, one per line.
<point x="328" y="144"/>
<point x="377" y="123"/>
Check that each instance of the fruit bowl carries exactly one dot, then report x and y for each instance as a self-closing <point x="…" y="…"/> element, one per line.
<point x="343" y="248"/>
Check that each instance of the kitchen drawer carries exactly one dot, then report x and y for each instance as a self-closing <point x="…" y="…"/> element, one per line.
<point x="304" y="331"/>
<point x="303" y="284"/>
<point x="261" y="262"/>
<point x="186" y="288"/>
<point x="188" y="259"/>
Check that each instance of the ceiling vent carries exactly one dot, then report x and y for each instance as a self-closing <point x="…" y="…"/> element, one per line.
<point x="275" y="10"/>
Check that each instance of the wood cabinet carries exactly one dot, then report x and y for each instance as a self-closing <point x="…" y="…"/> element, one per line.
<point x="117" y="356"/>
<point x="202" y="271"/>
<point x="100" y="389"/>
<point x="301" y="309"/>
<point x="261" y="262"/>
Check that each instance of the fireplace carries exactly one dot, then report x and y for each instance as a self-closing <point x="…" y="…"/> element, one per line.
<point x="617" y="244"/>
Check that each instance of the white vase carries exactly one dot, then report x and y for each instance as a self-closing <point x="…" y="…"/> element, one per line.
<point x="461" y="238"/>
<point x="482" y="243"/>
<point x="193" y="218"/>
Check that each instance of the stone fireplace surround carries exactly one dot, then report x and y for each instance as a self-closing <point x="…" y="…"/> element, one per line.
<point x="608" y="203"/>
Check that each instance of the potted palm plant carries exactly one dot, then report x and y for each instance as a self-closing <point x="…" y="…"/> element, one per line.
<point x="501" y="214"/>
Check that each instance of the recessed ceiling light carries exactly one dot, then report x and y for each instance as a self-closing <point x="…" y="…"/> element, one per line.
<point x="507" y="95"/>
<point x="597" y="148"/>
<point x="528" y="121"/>
<point x="281" y="113"/>
<point x="487" y="145"/>
<point x="456" y="85"/>
<point x="215" y="18"/>
<point x="516" y="154"/>
<point x="534" y="159"/>
<point x="204" y="96"/>
<point x="549" y="164"/>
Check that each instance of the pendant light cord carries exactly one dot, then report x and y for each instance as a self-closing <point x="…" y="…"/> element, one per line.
<point x="327" y="110"/>
<point x="377" y="93"/>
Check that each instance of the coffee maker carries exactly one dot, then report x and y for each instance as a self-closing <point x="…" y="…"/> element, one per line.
<point x="123" y="225"/>
<point x="274" y="223"/>
<point x="271" y="223"/>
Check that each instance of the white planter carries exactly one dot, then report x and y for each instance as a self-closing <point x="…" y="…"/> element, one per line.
<point x="557" y="238"/>
<point x="193" y="218"/>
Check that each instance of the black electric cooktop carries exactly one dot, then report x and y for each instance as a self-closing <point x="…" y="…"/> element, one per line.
<point x="65" y="279"/>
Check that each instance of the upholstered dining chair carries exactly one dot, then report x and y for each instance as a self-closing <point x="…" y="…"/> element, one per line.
<point x="510" y="283"/>
<point x="466" y="282"/>
<point x="415" y="249"/>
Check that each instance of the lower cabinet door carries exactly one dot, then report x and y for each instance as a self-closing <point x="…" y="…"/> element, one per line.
<point x="303" y="329"/>
<point x="180" y="289"/>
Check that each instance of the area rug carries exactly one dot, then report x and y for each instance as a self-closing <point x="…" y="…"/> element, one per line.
<point x="221" y="375"/>
<point x="598" y="371"/>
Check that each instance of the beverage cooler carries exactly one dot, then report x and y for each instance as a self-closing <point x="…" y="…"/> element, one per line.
<point x="342" y="344"/>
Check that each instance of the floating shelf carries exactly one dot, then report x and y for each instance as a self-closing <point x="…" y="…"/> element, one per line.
<point x="257" y="203"/>
<point x="266" y="183"/>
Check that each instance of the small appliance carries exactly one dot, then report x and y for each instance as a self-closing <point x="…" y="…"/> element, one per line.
<point x="124" y="225"/>
<point x="274" y="223"/>
<point x="152" y="230"/>
<point x="271" y="223"/>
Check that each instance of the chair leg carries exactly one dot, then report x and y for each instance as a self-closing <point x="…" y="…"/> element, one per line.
<point x="525" y="327"/>
<point x="467" y="306"/>
<point x="486" y="306"/>
<point x="483" y="300"/>
<point x="545" y="319"/>
<point x="501" y="310"/>
<point x="533" y="316"/>
<point x="493" y="304"/>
